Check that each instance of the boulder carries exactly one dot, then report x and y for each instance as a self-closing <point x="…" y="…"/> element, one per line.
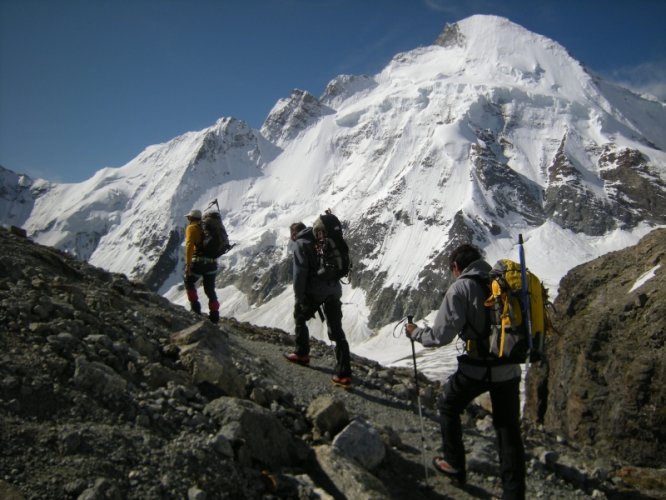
<point x="328" y="415"/>
<point x="349" y="478"/>
<point x="205" y="353"/>
<point x="362" y="443"/>
<point x="255" y="433"/>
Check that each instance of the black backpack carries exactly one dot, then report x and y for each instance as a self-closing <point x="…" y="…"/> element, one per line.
<point x="332" y="251"/>
<point x="215" y="239"/>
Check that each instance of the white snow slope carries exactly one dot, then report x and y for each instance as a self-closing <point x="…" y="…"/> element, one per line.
<point x="399" y="141"/>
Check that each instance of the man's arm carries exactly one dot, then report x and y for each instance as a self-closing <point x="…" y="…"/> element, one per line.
<point x="449" y="321"/>
<point x="191" y="236"/>
<point x="301" y="269"/>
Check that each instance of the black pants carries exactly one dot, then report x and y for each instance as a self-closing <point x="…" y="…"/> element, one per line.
<point x="207" y="272"/>
<point x="333" y="313"/>
<point x="459" y="391"/>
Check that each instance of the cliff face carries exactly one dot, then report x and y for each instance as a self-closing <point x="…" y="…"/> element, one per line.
<point x="604" y="381"/>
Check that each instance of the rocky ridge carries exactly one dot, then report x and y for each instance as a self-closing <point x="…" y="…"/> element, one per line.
<point x="604" y="382"/>
<point x="108" y="391"/>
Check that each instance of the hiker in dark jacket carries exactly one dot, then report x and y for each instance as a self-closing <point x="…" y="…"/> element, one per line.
<point x="463" y="314"/>
<point x="199" y="267"/>
<point x="312" y="293"/>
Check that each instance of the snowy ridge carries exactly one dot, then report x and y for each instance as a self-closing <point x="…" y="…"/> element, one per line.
<point x="492" y="132"/>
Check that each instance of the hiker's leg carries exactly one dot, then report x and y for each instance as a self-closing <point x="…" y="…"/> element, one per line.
<point x="190" y="281"/>
<point x="209" y="288"/>
<point x="333" y="313"/>
<point x="459" y="391"/>
<point x="302" y="334"/>
<point x="505" y="397"/>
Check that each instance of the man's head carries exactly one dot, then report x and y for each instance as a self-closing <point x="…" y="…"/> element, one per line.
<point x="462" y="257"/>
<point x="296" y="228"/>
<point x="194" y="215"/>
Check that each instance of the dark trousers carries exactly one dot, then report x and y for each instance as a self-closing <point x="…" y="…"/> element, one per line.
<point x="333" y="313"/>
<point x="459" y="391"/>
<point x="206" y="272"/>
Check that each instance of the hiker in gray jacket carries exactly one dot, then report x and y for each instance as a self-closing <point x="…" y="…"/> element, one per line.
<point x="312" y="293"/>
<point x="462" y="313"/>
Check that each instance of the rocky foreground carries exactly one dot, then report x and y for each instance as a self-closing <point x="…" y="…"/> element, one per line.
<point x="108" y="391"/>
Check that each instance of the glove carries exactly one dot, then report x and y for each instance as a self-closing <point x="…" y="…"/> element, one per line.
<point x="410" y="329"/>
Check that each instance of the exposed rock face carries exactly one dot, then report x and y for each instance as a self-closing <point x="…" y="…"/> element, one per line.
<point x="633" y="185"/>
<point x="451" y="36"/>
<point x="293" y="115"/>
<point x="344" y="86"/>
<point x="17" y="196"/>
<point x="604" y="383"/>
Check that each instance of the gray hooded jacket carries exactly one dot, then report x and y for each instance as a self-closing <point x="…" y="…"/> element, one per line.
<point x="309" y="287"/>
<point x="462" y="313"/>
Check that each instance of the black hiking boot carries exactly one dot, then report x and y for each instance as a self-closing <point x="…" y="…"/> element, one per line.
<point x="196" y="307"/>
<point x="214" y="316"/>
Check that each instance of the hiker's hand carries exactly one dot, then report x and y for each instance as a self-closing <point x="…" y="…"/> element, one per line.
<point x="410" y="328"/>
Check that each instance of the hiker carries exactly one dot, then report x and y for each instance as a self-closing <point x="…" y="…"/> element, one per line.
<point x="197" y="266"/>
<point x="463" y="313"/>
<point x="312" y="293"/>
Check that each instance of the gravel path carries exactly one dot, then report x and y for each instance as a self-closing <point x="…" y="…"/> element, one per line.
<point x="378" y="395"/>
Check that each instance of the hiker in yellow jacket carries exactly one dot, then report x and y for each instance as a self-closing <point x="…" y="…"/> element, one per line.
<point x="197" y="266"/>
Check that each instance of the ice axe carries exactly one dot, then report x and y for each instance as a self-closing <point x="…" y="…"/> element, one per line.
<point x="418" y="399"/>
<point x="214" y="202"/>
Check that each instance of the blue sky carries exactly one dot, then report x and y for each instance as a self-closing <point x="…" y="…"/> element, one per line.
<point x="87" y="84"/>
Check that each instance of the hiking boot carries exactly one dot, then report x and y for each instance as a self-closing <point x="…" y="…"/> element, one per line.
<point x="196" y="307"/>
<point x="336" y="379"/>
<point x="447" y="469"/>
<point x="214" y="316"/>
<point x="297" y="358"/>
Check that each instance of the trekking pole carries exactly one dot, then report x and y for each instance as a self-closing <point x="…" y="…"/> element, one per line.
<point x="525" y="296"/>
<point x="418" y="399"/>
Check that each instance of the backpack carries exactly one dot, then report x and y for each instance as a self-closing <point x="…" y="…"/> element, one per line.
<point x="215" y="239"/>
<point x="515" y="332"/>
<point x="331" y="249"/>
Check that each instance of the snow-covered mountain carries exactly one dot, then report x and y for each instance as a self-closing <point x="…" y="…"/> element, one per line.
<point x="490" y="132"/>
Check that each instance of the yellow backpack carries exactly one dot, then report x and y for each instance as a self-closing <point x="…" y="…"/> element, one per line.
<point x="519" y="320"/>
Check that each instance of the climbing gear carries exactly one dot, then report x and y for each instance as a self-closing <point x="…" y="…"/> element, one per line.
<point x="215" y="239"/>
<point x="330" y="247"/>
<point x="518" y="318"/>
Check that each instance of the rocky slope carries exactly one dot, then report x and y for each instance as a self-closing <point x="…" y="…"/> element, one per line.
<point x="604" y="384"/>
<point x="108" y="391"/>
